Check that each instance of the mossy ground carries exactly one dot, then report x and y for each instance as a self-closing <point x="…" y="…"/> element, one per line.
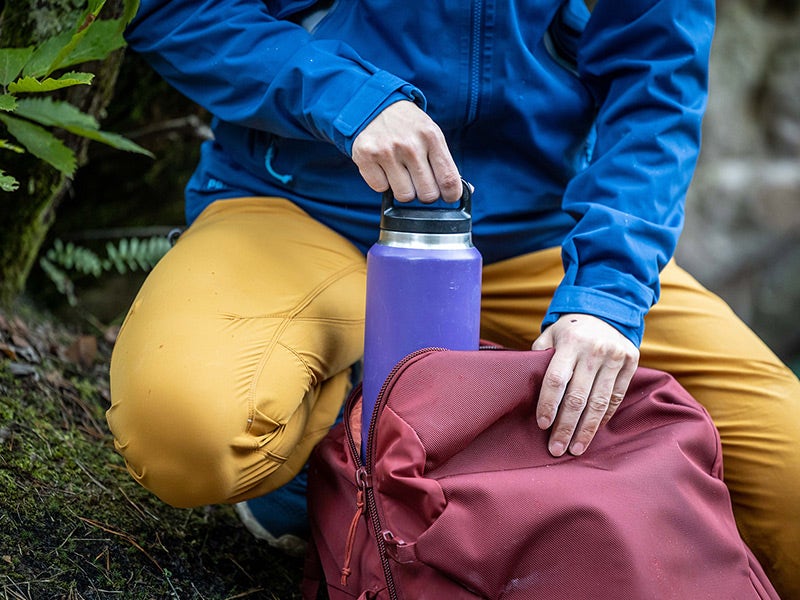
<point x="73" y="524"/>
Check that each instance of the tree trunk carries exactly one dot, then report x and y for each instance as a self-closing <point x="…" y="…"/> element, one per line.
<point x="27" y="214"/>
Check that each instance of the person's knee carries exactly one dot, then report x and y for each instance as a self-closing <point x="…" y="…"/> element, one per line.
<point x="199" y="436"/>
<point x="171" y="445"/>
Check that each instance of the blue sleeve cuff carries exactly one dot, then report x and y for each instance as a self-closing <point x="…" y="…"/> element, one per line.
<point x="378" y="92"/>
<point x="625" y="317"/>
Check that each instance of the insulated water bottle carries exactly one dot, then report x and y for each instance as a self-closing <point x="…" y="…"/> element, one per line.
<point x="423" y="288"/>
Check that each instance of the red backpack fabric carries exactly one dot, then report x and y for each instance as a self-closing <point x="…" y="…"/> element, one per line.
<point x="459" y="498"/>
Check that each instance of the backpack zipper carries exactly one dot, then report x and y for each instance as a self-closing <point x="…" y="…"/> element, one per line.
<point x="364" y="469"/>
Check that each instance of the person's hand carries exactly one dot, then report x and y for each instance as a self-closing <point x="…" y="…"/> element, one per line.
<point x="403" y="149"/>
<point x="585" y="382"/>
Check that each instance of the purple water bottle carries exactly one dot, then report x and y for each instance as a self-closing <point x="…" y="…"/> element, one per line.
<point x="423" y="289"/>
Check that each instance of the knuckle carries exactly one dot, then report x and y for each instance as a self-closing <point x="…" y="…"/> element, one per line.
<point x="547" y="409"/>
<point x="563" y="432"/>
<point x="450" y="181"/>
<point x="574" y="401"/>
<point x="430" y="133"/>
<point x="404" y="195"/>
<point x="373" y="153"/>
<point x="617" y="354"/>
<point x="608" y="351"/>
<point x="554" y="380"/>
<point x="597" y="404"/>
<point x="428" y="194"/>
<point x="616" y="399"/>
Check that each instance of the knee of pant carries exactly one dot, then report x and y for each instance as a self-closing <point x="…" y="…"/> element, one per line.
<point x="184" y="445"/>
<point x="173" y="449"/>
<point x="179" y="441"/>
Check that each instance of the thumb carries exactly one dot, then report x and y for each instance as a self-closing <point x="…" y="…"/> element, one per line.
<point x="544" y="341"/>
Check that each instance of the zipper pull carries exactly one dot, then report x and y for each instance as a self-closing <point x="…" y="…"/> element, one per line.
<point x="363" y="481"/>
<point x="399" y="550"/>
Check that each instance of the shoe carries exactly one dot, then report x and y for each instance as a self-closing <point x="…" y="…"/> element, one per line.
<point x="280" y="518"/>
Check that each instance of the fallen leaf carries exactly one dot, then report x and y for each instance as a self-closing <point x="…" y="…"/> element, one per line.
<point x="8" y="351"/>
<point x="83" y="351"/>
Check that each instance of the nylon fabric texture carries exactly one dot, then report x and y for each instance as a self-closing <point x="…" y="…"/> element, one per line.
<point x="465" y="502"/>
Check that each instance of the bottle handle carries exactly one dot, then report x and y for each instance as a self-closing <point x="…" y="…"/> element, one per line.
<point x="464" y="202"/>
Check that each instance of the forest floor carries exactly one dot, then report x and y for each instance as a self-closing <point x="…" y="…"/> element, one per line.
<point x="73" y="524"/>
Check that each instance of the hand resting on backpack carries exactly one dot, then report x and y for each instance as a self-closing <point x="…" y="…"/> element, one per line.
<point x="586" y="380"/>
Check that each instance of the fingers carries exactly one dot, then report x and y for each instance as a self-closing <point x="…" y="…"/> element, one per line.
<point x="448" y="179"/>
<point x="586" y="406"/>
<point x="403" y="149"/>
<point x="585" y="382"/>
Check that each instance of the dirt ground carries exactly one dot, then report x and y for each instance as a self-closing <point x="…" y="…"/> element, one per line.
<point x="73" y="524"/>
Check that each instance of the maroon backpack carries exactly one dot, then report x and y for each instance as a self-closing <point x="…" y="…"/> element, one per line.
<point x="459" y="498"/>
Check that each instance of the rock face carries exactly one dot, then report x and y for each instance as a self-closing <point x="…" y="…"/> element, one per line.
<point x="742" y="235"/>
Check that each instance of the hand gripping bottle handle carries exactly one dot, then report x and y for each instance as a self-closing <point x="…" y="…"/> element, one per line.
<point x="423" y="289"/>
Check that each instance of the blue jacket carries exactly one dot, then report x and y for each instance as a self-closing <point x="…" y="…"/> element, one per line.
<point x="577" y="130"/>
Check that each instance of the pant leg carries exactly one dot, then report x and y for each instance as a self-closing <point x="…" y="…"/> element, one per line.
<point x="234" y="358"/>
<point x="753" y="399"/>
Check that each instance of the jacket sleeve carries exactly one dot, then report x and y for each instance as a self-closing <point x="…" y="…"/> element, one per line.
<point x="250" y="68"/>
<point x="646" y="64"/>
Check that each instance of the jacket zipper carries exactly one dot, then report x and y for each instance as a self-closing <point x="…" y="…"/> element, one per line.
<point x="364" y="468"/>
<point x="475" y="61"/>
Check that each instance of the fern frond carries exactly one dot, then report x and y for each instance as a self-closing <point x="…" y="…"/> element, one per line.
<point x="134" y="254"/>
<point x="129" y="254"/>
<point x="75" y="258"/>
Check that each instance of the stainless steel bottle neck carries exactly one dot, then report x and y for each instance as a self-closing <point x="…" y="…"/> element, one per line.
<point x="425" y="241"/>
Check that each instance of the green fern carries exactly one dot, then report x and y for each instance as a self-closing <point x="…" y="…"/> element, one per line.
<point x="127" y="255"/>
<point x="135" y="254"/>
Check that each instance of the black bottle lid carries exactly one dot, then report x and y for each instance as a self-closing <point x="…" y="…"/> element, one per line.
<point x="455" y="218"/>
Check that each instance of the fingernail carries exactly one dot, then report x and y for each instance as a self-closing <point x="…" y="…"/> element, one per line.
<point x="543" y="422"/>
<point x="557" y="448"/>
<point x="577" y="448"/>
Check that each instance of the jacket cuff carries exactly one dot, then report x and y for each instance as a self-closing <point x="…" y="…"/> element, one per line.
<point x="625" y="317"/>
<point x="378" y="92"/>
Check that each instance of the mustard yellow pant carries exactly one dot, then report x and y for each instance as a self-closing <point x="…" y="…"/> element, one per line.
<point x="234" y="360"/>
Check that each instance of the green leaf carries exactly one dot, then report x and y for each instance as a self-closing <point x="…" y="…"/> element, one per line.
<point x="8" y="183"/>
<point x="8" y="102"/>
<point x="62" y="114"/>
<point x="31" y="85"/>
<point x="61" y="280"/>
<point x="129" y="11"/>
<point x="42" y="144"/>
<point x="96" y="5"/>
<point x="112" y="139"/>
<point x="58" y="113"/>
<point x="74" y="47"/>
<point x="97" y="43"/>
<point x="61" y="59"/>
<point x="45" y="54"/>
<point x="12" y="60"/>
